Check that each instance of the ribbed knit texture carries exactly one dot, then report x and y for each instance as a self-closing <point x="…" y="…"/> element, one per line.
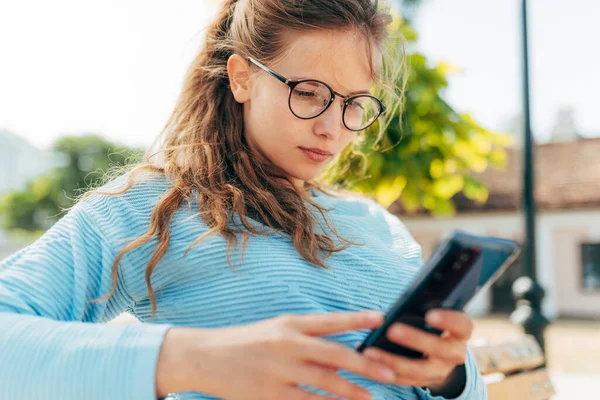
<point x="54" y="343"/>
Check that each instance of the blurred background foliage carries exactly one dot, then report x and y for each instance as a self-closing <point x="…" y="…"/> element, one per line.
<point x="80" y="161"/>
<point x="429" y="153"/>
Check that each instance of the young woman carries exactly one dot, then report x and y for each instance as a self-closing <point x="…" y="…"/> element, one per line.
<point x="251" y="281"/>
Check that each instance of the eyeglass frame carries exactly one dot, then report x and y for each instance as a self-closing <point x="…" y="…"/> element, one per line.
<point x="292" y="83"/>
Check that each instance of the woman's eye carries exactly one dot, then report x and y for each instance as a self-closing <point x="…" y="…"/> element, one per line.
<point x="355" y="104"/>
<point x="303" y="93"/>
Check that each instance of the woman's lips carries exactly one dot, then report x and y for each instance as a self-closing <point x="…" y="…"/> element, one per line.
<point x="315" y="156"/>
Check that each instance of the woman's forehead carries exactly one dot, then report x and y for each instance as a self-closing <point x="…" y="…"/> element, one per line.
<point x="340" y="58"/>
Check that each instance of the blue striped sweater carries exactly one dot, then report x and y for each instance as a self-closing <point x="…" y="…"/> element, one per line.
<point x="55" y="344"/>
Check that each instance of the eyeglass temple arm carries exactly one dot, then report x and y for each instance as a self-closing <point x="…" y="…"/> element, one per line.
<point x="269" y="71"/>
<point x="286" y="81"/>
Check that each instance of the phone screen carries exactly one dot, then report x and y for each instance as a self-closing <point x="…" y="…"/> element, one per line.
<point x="458" y="269"/>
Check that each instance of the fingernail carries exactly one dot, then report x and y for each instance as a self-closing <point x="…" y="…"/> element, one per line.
<point x="373" y="315"/>
<point x="387" y="374"/>
<point x="372" y="354"/>
<point x="398" y="331"/>
<point x="434" y="318"/>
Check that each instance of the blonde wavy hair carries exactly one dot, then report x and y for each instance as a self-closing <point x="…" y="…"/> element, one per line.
<point x="202" y="151"/>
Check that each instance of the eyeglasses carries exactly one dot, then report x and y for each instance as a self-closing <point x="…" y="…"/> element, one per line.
<point x="309" y="98"/>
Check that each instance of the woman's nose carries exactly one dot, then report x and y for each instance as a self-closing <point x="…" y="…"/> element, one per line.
<point x="330" y="122"/>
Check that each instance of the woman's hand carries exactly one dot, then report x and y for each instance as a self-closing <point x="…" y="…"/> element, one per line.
<point x="269" y="359"/>
<point x="444" y="353"/>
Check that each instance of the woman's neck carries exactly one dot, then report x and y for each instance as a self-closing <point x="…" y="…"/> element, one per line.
<point x="302" y="188"/>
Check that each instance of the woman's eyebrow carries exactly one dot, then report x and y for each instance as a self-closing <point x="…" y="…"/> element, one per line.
<point x="300" y="77"/>
<point x="359" y="92"/>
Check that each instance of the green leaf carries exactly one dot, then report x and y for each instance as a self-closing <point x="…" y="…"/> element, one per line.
<point x="474" y="190"/>
<point x="389" y="191"/>
<point x="444" y="208"/>
<point x="448" y="186"/>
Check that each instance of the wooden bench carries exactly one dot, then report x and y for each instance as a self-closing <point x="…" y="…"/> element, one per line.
<point x="514" y="369"/>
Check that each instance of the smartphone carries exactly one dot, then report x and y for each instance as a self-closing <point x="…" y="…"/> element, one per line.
<point x="460" y="266"/>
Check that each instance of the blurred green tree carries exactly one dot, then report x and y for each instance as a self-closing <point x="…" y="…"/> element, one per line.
<point x="430" y="152"/>
<point x="80" y="161"/>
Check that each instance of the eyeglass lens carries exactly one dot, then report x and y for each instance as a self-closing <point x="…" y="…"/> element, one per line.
<point x="309" y="98"/>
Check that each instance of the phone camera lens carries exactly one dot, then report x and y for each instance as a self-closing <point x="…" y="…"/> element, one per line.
<point x="464" y="257"/>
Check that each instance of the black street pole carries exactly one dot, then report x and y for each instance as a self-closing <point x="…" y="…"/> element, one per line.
<point x="527" y="292"/>
<point x="528" y="167"/>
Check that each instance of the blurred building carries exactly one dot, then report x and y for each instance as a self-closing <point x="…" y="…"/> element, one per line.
<point x="7" y="246"/>
<point x="568" y="225"/>
<point x="19" y="162"/>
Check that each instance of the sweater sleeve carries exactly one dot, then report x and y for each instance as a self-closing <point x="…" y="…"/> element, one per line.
<point x="475" y="388"/>
<point x="51" y="345"/>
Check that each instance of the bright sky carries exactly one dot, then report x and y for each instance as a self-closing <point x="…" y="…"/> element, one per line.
<point x="483" y="37"/>
<point x="116" y="67"/>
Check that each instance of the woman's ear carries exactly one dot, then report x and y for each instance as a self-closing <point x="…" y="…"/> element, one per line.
<point x="238" y="71"/>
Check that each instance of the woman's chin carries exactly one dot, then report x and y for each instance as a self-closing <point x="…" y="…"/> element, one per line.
<point x="305" y="174"/>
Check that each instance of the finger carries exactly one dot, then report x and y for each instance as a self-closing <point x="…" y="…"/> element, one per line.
<point x="335" y="355"/>
<point x="326" y="323"/>
<point x="451" y="350"/>
<point x="412" y="372"/>
<point x="327" y="379"/>
<point x="456" y="322"/>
